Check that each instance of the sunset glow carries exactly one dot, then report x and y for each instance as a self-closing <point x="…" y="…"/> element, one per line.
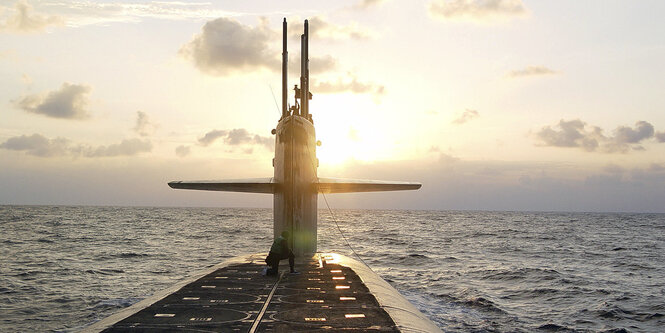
<point x="519" y="106"/>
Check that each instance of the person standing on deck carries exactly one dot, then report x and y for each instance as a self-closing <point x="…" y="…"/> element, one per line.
<point x="280" y="250"/>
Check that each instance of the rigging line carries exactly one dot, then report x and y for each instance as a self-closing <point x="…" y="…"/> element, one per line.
<point x="332" y="215"/>
<point x="344" y="236"/>
<point x="274" y="99"/>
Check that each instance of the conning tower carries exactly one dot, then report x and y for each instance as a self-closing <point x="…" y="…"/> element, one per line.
<point x="295" y="184"/>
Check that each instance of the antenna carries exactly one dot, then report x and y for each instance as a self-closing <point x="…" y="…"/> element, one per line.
<point x="304" y="72"/>
<point x="285" y="75"/>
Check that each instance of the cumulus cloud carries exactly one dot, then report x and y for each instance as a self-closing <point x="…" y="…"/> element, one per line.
<point x="321" y="28"/>
<point x="127" y="147"/>
<point x="531" y="71"/>
<point x="182" y="151"/>
<point x="466" y="116"/>
<point x="352" y="85"/>
<point x="211" y="136"/>
<point x="660" y="136"/>
<point x="476" y="10"/>
<point x="625" y="136"/>
<point x="38" y="145"/>
<point x="68" y="102"/>
<point x="570" y="134"/>
<point x="226" y="45"/>
<point x="236" y="137"/>
<point x="26" y="20"/>
<point x="576" y="133"/>
<point x="144" y="127"/>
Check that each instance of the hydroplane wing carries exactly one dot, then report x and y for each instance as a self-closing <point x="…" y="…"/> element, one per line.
<point x="251" y="185"/>
<point x="341" y="185"/>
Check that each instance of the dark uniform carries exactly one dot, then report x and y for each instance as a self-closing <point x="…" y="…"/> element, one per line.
<point x="278" y="251"/>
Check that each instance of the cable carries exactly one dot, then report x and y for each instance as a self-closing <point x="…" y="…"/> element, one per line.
<point x="274" y="99"/>
<point x="332" y="215"/>
<point x="341" y="233"/>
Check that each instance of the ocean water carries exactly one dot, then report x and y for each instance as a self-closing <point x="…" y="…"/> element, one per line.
<point x="62" y="268"/>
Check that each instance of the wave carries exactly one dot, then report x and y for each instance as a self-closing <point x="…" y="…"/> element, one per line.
<point x="466" y="301"/>
<point x="553" y="328"/>
<point x="130" y="255"/>
<point x="458" y="271"/>
<point x="116" y="303"/>
<point x="519" y="274"/>
<point x="482" y="303"/>
<point x="104" y="271"/>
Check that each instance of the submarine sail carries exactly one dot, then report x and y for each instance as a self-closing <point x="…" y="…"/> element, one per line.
<point x="295" y="184"/>
<point x="333" y="293"/>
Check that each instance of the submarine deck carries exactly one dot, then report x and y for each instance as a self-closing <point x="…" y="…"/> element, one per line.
<point x="237" y="298"/>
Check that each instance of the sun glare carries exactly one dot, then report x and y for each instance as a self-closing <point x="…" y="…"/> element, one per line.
<point x="343" y="140"/>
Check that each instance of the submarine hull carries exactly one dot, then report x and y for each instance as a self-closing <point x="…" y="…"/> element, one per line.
<point x="333" y="292"/>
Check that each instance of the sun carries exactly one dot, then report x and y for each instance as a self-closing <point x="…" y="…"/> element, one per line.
<point x="342" y="141"/>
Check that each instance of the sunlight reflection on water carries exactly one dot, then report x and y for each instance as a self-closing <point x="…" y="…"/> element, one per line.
<point x="64" y="267"/>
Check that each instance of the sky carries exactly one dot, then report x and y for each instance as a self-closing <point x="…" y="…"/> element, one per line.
<point x="490" y="104"/>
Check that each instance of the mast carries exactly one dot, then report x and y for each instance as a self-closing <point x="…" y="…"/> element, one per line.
<point x="304" y="72"/>
<point x="285" y="76"/>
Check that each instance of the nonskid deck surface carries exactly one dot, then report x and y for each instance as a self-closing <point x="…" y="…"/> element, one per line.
<point x="237" y="298"/>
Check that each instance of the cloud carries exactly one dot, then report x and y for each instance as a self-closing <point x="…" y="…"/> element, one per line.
<point x="144" y="127"/>
<point x="466" y="116"/>
<point x="576" y="133"/>
<point x="225" y="45"/>
<point x="317" y="64"/>
<point x="321" y="64"/>
<point x="69" y="102"/>
<point x="83" y="13"/>
<point x="660" y="136"/>
<point x="26" y="20"/>
<point x="38" y="145"/>
<point x="643" y="130"/>
<point x="345" y="85"/>
<point x="476" y="10"/>
<point x="182" y="151"/>
<point x="625" y="136"/>
<point x="365" y="4"/>
<point x="211" y="136"/>
<point x="531" y="71"/>
<point x="321" y="28"/>
<point x="236" y="137"/>
<point x="127" y="147"/>
<point x="570" y="134"/>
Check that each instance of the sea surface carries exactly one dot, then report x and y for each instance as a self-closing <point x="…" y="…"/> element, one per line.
<point x="63" y="268"/>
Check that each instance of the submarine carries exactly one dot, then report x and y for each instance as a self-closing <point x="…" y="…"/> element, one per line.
<point x="332" y="293"/>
